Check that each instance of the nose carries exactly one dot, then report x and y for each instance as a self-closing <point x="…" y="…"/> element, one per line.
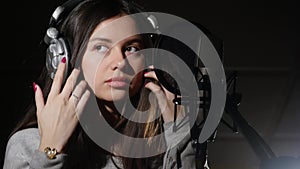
<point x="117" y="58"/>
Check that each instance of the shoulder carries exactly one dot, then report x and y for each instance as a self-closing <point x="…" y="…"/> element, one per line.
<point x="23" y="143"/>
<point x="22" y="152"/>
<point x="26" y="132"/>
<point x="29" y="137"/>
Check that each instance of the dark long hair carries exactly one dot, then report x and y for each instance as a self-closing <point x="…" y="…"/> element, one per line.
<point x="77" y="28"/>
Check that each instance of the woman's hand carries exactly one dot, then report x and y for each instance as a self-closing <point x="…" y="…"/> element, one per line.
<point x="164" y="97"/>
<point x="57" y="118"/>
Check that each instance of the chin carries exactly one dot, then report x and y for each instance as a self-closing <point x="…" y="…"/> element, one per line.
<point x="112" y="96"/>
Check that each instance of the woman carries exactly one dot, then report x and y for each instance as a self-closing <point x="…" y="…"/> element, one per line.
<point x="50" y="136"/>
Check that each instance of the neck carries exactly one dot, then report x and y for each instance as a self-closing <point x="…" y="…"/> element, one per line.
<point x="110" y="112"/>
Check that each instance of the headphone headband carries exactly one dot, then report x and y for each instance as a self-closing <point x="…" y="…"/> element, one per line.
<point x="62" y="10"/>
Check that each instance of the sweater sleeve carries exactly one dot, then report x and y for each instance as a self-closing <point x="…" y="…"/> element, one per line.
<point x="22" y="152"/>
<point x="180" y="152"/>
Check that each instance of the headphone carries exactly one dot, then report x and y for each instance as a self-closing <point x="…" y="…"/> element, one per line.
<point x="58" y="46"/>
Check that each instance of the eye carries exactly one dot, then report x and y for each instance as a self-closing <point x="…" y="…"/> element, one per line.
<point x="101" y="48"/>
<point x="132" y="49"/>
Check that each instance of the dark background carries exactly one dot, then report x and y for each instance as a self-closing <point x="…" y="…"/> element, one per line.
<point x="261" y="42"/>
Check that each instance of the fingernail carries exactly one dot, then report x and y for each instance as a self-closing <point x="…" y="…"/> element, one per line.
<point x="151" y="67"/>
<point x="34" y="86"/>
<point x="63" y="60"/>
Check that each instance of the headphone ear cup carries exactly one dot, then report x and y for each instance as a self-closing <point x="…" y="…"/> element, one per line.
<point x="57" y="50"/>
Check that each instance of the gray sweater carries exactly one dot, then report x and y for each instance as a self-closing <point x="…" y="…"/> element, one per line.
<point x="22" y="151"/>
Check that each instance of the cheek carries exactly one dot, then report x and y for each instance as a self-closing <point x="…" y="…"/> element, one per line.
<point x="89" y="68"/>
<point x="138" y="66"/>
<point x="137" y="63"/>
<point x="90" y="64"/>
<point x="100" y="75"/>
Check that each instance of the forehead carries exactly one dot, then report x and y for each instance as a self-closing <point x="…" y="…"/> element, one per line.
<point x="116" y="28"/>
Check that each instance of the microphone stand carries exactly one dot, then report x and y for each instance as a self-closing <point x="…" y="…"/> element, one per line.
<point x="259" y="146"/>
<point x="201" y="150"/>
<point x="262" y="150"/>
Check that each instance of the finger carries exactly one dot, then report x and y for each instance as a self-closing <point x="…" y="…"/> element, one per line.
<point x="39" y="98"/>
<point x="82" y="102"/>
<point x="58" y="79"/>
<point x="150" y="74"/>
<point x="77" y="93"/>
<point x="160" y="95"/>
<point x="162" y="100"/>
<point x="71" y="81"/>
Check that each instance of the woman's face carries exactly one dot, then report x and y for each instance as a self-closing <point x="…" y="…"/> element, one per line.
<point x="111" y="64"/>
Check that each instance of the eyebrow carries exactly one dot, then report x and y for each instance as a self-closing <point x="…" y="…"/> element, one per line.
<point x="133" y="39"/>
<point x="101" y="39"/>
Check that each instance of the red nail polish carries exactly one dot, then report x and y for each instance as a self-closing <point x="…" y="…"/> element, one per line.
<point x="63" y="60"/>
<point x="34" y="86"/>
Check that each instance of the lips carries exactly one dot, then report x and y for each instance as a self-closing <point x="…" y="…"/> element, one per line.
<point x="117" y="82"/>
